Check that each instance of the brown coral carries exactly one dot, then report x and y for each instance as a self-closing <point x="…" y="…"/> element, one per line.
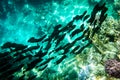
<point x="112" y="67"/>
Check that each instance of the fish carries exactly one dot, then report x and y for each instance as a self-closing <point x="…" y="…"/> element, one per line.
<point x="95" y="30"/>
<point x="33" y="40"/>
<point x="79" y="17"/>
<point x="13" y="45"/>
<point x="76" y="48"/>
<point x="46" y="61"/>
<point x="71" y="28"/>
<point x="32" y="77"/>
<point x="4" y="54"/>
<point x="75" y="32"/>
<point x="9" y="72"/>
<point x="58" y="48"/>
<point x="95" y="23"/>
<point x="57" y="27"/>
<point x="94" y="12"/>
<point x="5" y="60"/>
<point x="60" y="38"/>
<point x="48" y="46"/>
<point x="84" y="13"/>
<point x="10" y="77"/>
<point x="82" y="27"/>
<point x="55" y="33"/>
<point x="5" y="67"/>
<point x="68" y="46"/>
<point x="86" y="17"/>
<point x="32" y="64"/>
<point x="80" y="49"/>
<point x="28" y="49"/>
<point x="21" y="56"/>
<point x="61" y="59"/>
<point x="102" y="18"/>
<point x="40" y="53"/>
<point x="22" y="77"/>
<point x="43" y="68"/>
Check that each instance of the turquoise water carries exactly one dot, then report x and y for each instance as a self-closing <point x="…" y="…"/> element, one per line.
<point x="56" y="39"/>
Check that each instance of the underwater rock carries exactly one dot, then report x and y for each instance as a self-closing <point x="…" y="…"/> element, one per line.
<point x="112" y="67"/>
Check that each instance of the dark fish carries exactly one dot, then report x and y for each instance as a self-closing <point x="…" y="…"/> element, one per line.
<point x="85" y="31"/>
<point x="82" y="36"/>
<point x="79" y="38"/>
<point x="60" y="38"/>
<point x="94" y="23"/>
<point x="22" y="77"/>
<point x="82" y="48"/>
<point x="33" y="40"/>
<point x="57" y="27"/>
<point x="59" y="48"/>
<point x="11" y="71"/>
<point x="40" y="53"/>
<point x="81" y="16"/>
<point x="29" y="49"/>
<point x="104" y="10"/>
<point x="95" y="30"/>
<point x="94" y="12"/>
<point x="5" y="67"/>
<point x="101" y="6"/>
<point x="48" y="46"/>
<point x="82" y="27"/>
<point x="4" y="54"/>
<point x="61" y="59"/>
<point x="45" y="62"/>
<point x="64" y="29"/>
<point x="84" y="13"/>
<point x="32" y="77"/>
<point x="41" y="69"/>
<point x="32" y="64"/>
<point x="20" y="57"/>
<point x="76" y="48"/>
<point x="78" y="17"/>
<point x="102" y="19"/>
<point x="86" y="17"/>
<point x="6" y="45"/>
<point x="75" y="32"/>
<point x="88" y="35"/>
<point x="68" y="46"/>
<point x="71" y="27"/>
<point x="70" y="23"/>
<point x="5" y="60"/>
<point x="14" y="45"/>
<point x="9" y="77"/>
<point x="54" y="34"/>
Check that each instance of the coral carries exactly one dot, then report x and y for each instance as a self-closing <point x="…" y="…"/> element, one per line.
<point x="112" y="67"/>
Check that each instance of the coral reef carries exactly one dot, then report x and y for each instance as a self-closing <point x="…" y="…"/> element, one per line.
<point x="112" y="67"/>
<point x="107" y="44"/>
